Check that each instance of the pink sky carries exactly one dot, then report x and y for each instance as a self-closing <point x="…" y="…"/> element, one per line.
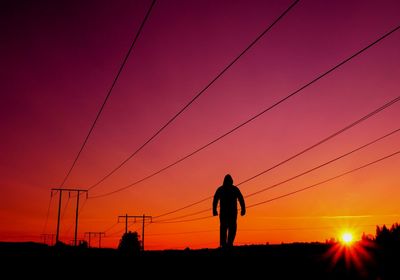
<point x="60" y="58"/>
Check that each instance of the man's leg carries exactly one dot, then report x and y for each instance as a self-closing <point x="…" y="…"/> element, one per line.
<point x="222" y="233"/>
<point x="231" y="233"/>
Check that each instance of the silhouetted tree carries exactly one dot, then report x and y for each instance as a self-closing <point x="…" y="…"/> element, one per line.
<point x="388" y="237"/>
<point x="331" y="240"/>
<point x="395" y="231"/>
<point x="129" y="243"/>
<point x="367" y="237"/>
<point x="382" y="234"/>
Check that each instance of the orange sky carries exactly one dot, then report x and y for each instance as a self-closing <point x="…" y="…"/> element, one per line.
<point x="60" y="59"/>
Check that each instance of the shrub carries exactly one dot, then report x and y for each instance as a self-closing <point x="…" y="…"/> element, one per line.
<point x="129" y="243"/>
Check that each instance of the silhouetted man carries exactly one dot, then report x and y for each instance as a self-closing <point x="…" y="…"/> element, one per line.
<point x="228" y="195"/>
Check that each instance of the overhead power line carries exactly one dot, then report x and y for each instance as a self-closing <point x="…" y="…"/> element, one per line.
<point x="47" y="214"/>
<point x="64" y="210"/>
<point x="60" y="191"/>
<point x="296" y="191"/>
<point x="325" y="181"/>
<point x="182" y="221"/>
<point x="298" y="175"/>
<point x="120" y="230"/>
<point x="82" y="206"/>
<point x="109" y="93"/>
<point x="183" y="233"/>
<point x="324" y="164"/>
<point x="111" y="227"/>
<point x="196" y="96"/>
<point x="258" y="230"/>
<point x="383" y="107"/>
<point x="252" y="118"/>
<point x="117" y="223"/>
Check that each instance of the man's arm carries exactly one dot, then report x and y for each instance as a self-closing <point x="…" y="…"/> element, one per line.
<point x="242" y="204"/>
<point x="215" y="202"/>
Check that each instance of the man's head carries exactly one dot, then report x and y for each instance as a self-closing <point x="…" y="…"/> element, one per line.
<point x="228" y="181"/>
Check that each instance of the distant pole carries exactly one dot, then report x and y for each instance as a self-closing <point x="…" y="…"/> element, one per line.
<point x="143" y="232"/>
<point x="143" y="217"/>
<point x="95" y="233"/>
<point x="126" y="223"/>
<point x="76" y="218"/>
<point x="59" y="211"/>
<point x="58" y="219"/>
<point x="101" y="234"/>
<point x="48" y="238"/>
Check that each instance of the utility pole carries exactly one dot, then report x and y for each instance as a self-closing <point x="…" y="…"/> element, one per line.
<point x="101" y="234"/>
<point x="78" y="191"/>
<point x="48" y="238"/>
<point x="95" y="233"/>
<point x="143" y="218"/>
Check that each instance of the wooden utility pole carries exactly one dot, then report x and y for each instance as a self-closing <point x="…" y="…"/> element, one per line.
<point x="78" y="191"/>
<point x="95" y="233"/>
<point x="101" y="234"/>
<point x="142" y="218"/>
<point x="48" y="238"/>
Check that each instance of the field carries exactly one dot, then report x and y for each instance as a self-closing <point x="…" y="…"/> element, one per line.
<point x="284" y="261"/>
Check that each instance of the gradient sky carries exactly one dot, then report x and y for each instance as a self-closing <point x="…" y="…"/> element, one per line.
<point x="59" y="58"/>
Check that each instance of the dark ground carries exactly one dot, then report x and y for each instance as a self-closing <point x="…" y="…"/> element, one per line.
<point x="286" y="261"/>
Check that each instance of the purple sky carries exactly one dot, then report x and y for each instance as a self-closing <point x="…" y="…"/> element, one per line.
<point x="59" y="58"/>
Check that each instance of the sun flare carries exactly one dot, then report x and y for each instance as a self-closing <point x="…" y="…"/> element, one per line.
<point x="347" y="238"/>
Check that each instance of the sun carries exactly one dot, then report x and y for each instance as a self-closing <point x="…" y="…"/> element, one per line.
<point x="347" y="238"/>
<point x="353" y="254"/>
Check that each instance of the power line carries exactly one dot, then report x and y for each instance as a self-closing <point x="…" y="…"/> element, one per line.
<point x="94" y="233"/>
<point x="184" y="207"/>
<point x="109" y="93"/>
<point x="298" y="190"/>
<point x="296" y="176"/>
<point x="111" y="227"/>
<point x="324" y="164"/>
<point x="48" y="238"/>
<point x="143" y="218"/>
<point x="325" y="181"/>
<point x="185" y="216"/>
<point x="258" y="230"/>
<point x="65" y="208"/>
<point x="115" y="233"/>
<point x="121" y="230"/>
<point x="181" y="221"/>
<point x="390" y="103"/>
<point x="60" y="191"/>
<point x="48" y="213"/>
<point x="197" y="95"/>
<point x="82" y="206"/>
<point x="79" y="212"/>
<point x="383" y="107"/>
<point x="252" y="118"/>
<point x="186" y="232"/>
<point x="69" y="228"/>
<point x="117" y="223"/>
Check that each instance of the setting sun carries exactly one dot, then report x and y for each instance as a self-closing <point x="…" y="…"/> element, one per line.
<point x="347" y="238"/>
